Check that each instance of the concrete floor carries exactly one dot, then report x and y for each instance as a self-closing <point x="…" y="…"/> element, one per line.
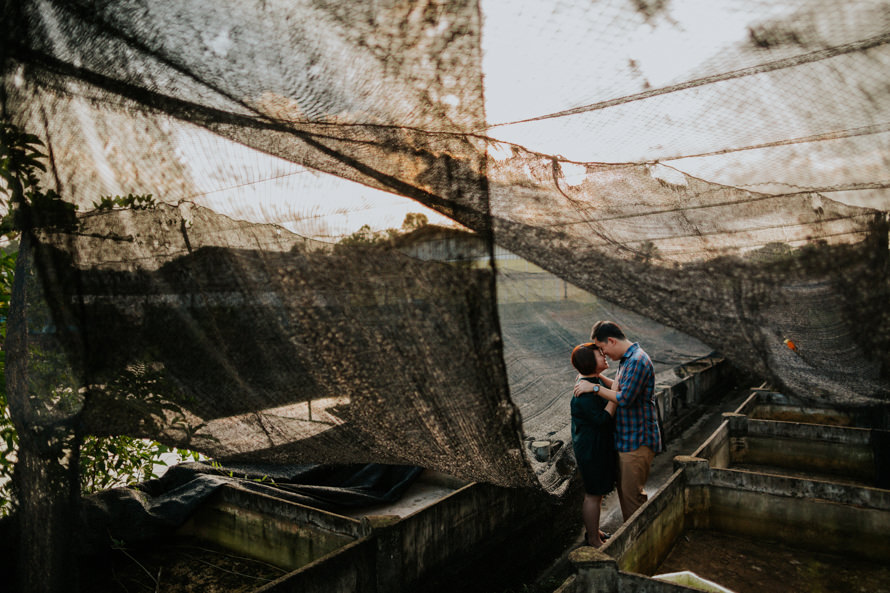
<point x="662" y="467"/>
<point x="427" y="491"/>
<point x="685" y="444"/>
<point x="419" y="495"/>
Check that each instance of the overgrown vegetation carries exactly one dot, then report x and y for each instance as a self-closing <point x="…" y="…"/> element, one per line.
<point x="8" y="436"/>
<point x="647" y="252"/>
<point x="130" y="201"/>
<point x="104" y="461"/>
<point x="365" y="237"/>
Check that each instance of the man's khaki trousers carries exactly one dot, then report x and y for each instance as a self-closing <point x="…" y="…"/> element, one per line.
<point x="633" y="471"/>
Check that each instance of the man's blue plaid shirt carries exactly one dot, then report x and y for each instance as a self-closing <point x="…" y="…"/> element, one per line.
<point x="636" y="420"/>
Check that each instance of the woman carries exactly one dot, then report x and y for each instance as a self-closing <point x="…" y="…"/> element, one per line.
<point x="593" y="426"/>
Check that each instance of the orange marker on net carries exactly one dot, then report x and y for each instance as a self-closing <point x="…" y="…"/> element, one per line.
<point x="791" y="344"/>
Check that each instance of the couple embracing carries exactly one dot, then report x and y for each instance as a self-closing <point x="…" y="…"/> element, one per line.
<point x="615" y="432"/>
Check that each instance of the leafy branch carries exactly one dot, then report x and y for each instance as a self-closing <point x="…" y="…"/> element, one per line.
<point x="27" y="205"/>
<point x="104" y="461"/>
<point x="366" y="238"/>
<point x="130" y="201"/>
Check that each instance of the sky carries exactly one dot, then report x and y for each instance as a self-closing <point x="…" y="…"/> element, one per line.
<point x="541" y="58"/>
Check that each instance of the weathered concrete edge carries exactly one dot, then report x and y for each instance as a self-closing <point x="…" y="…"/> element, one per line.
<point x="277" y="507"/>
<point x="872" y="498"/>
<point x="815" y="432"/>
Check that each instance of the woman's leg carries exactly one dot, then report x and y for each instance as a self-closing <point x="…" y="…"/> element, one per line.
<point x="590" y="514"/>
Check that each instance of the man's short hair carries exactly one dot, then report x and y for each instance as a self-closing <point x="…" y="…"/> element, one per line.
<point x="584" y="358"/>
<point x="606" y="329"/>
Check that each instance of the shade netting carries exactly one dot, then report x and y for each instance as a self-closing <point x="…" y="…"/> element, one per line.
<point x="718" y="167"/>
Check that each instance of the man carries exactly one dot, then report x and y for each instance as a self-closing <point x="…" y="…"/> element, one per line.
<point x="637" y="436"/>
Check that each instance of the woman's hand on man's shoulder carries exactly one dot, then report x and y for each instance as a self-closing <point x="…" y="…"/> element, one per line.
<point x="582" y="387"/>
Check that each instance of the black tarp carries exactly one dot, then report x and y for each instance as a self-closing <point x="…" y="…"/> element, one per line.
<point x="154" y="509"/>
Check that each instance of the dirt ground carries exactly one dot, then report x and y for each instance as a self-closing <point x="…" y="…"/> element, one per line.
<point x="748" y="565"/>
<point x="183" y="567"/>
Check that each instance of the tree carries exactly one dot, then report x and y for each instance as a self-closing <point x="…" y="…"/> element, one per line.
<point x="365" y="237"/>
<point x="413" y="221"/>
<point x="104" y="462"/>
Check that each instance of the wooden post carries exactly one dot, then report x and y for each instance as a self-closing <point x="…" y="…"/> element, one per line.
<point x="46" y="478"/>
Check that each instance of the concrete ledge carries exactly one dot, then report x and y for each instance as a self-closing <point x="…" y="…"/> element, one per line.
<point x="816" y="524"/>
<point x="350" y="569"/>
<point x="291" y="511"/>
<point x="765" y="404"/>
<point x="696" y="470"/>
<point x="266" y="528"/>
<point x="570" y="585"/>
<point x="448" y="531"/>
<point x="716" y="448"/>
<point x="871" y="498"/>
<point x="845" y="461"/>
<point x="817" y="514"/>
<point x="815" y="432"/>
<point x="644" y="540"/>
<point x="682" y="390"/>
<point x="596" y="570"/>
<point x="632" y="583"/>
<point x="856" y="454"/>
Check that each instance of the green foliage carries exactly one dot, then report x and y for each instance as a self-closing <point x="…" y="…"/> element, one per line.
<point x="133" y="202"/>
<point x="118" y="461"/>
<point x="772" y="252"/>
<point x="365" y="238"/>
<point x="20" y="160"/>
<point x="141" y="394"/>
<point x="413" y="221"/>
<point x="221" y="470"/>
<point x="104" y="461"/>
<point x="27" y="205"/>
<point x="647" y="251"/>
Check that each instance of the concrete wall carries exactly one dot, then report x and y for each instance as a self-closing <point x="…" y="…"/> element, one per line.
<point x="824" y="516"/>
<point x="834" y="449"/>
<point x="642" y="543"/>
<point x="706" y="493"/>
<point x="597" y="572"/>
<point x="286" y="534"/>
<point x="380" y="554"/>
<point x="717" y="448"/>
<point x="682" y="390"/>
<point x="766" y="404"/>
<point x="853" y="453"/>
<point x="351" y="569"/>
<point x="449" y="536"/>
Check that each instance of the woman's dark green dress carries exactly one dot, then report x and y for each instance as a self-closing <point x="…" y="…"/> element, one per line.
<point x="593" y="441"/>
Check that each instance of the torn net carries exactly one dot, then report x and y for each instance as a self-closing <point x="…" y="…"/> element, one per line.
<point x="736" y="192"/>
